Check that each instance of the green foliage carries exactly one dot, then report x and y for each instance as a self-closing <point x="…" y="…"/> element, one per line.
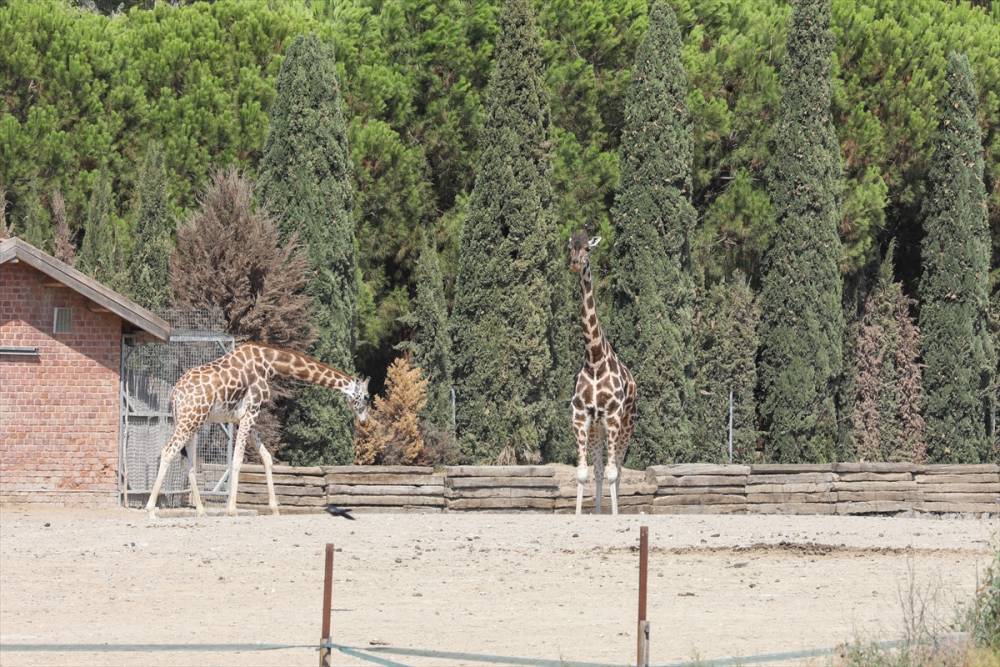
<point x="995" y="329"/>
<point x="588" y="48"/>
<point x="502" y="322"/>
<point x="89" y="92"/>
<point x="430" y="343"/>
<point x="32" y="222"/>
<point x="305" y="178"/>
<point x="726" y="341"/>
<point x="86" y="92"/>
<point x="149" y="266"/>
<point x="888" y="73"/>
<point x="983" y="616"/>
<point x="954" y="288"/>
<point x="103" y="252"/>
<point x="651" y="281"/>
<point x="802" y="322"/>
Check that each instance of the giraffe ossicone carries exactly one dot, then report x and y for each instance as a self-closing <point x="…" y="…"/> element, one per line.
<point x="604" y="398"/>
<point x="232" y="389"/>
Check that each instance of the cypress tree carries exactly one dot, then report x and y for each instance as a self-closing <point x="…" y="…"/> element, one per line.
<point x="5" y="227"/>
<point x="505" y="340"/>
<point x="101" y="252"/>
<point x="802" y="322"/>
<point x="34" y="225"/>
<point x="431" y="344"/>
<point x="995" y="413"/>
<point x="653" y="291"/>
<point x="958" y="352"/>
<point x="887" y="422"/>
<point x="726" y="341"/>
<point x="62" y="238"/>
<point x="149" y="267"/>
<point x="305" y="178"/>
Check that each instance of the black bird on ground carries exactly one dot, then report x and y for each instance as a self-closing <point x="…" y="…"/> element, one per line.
<point x="334" y="510"/>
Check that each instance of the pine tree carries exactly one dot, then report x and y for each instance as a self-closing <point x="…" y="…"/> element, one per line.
<point x="34" y="225"/>
<point x="653" y="216"/>
<point x="506" y="340"/>
<point x="957" y="350"/>
<point x="431" y="344"/>
<point x="149" y="266"/>
<point x="802" y="322"/>
<point x="392" y="434"/>
<point x="306" y="180"/>
<point x="726" y="341"/>
<point x="887" y="422"/>
<point x="62" y="239"/>
<point x="102" y="253"/>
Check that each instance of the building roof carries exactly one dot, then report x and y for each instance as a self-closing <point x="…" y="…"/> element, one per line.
<point x="14" y="250"/>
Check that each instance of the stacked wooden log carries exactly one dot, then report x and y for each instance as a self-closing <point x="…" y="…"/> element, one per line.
<point x="875" y="488"/>
<point x="500" y="488"/>
<point x="959" y="488"/>
<point x="385" y="488"/>
<point x="791" y="489"/>
<point x="297" y="489"/>
<point x="699" y="488"/>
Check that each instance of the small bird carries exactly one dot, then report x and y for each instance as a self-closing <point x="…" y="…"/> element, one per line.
<point x="334" y="510"/>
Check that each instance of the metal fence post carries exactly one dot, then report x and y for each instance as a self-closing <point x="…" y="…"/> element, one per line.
<point x="642" y="634"/>
<point x="324" y="651"/>
<point x="730" y="425"/>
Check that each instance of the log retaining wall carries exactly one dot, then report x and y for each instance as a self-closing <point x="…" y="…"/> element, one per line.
<point x="694" y="488"/>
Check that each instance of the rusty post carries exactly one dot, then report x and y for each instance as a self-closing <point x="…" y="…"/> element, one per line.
<point x="642" y="629"/>
<point x="324" y="651"/>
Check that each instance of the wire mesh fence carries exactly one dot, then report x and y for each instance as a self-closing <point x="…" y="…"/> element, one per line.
<point x="149" y="370"/>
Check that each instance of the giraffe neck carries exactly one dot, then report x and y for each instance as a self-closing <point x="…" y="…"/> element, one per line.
<point x="289" y="364"/>
<point x="592" y="334"/>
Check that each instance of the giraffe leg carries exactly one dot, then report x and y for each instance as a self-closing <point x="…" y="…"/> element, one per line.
<point x="581" y="426"/>
<point x="598" y="476"/>
<point x="243" y="430"/>
<point x="265" y="456"/>
<point x="193" y="481"/>
<point x="177" y="441"/>
<point x="613" y="470"/>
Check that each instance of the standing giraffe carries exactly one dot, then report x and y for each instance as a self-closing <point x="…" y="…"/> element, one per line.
<point x="232" y="390"/>
<point x="605" y="391"/>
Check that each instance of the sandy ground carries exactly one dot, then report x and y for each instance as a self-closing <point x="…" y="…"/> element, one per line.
<point x="542" y="587"/>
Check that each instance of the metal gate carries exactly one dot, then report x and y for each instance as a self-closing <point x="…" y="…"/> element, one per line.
<point x="149" y="370"/>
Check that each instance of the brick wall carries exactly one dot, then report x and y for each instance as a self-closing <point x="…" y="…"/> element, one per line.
<point x="58" y="411"/>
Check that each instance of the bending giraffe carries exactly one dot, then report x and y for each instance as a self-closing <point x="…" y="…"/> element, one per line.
<point x="605" y="391"/>
<point x="232" y="390"/>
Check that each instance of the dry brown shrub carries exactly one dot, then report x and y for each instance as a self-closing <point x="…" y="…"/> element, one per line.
<point x="888" y="425"/>
<point x="392" y="434"/>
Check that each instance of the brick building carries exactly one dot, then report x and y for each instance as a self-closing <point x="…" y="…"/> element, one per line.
<point x="60" y="359"/>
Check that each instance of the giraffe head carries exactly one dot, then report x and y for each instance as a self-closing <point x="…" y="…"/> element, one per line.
<point x="358" y="396"/>
<point x="579" y="250"/>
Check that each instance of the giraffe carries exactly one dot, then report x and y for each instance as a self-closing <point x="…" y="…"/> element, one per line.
<point x="232" y="390"/>
<point x="605" y="391"/>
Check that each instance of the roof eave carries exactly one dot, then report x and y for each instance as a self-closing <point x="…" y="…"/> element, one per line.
<point x="127" y="310"/>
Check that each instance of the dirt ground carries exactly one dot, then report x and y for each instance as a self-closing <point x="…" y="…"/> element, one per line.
<point x="539" y="587"/>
